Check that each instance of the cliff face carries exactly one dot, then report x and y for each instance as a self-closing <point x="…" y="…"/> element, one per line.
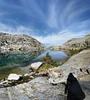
<point x="10" y="42"/>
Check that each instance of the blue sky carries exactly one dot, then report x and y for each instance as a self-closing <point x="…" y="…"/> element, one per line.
<point x="50" y="21"/>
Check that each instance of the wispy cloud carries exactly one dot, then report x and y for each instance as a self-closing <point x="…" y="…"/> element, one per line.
<point x="66" y="12"/>
<point x="49" y="21"/>
<point x="31" y="8"/>
<point x="16" y="30"/>
<point x="51" y="39"/>
<point x="59" y="38"/>
<point x="52" y="16"/>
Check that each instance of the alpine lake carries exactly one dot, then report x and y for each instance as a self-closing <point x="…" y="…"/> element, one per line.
<point x="15" y="62"/>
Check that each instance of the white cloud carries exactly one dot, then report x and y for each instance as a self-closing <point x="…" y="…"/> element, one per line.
<point x="58" y="38"/>
<point x="51" y="39"/>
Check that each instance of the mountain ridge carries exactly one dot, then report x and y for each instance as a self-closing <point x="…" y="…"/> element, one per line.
<point x="9" y="42"/>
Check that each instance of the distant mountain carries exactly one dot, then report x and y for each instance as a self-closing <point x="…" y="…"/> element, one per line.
<point x="78" y="43"/>
<point x="9" y="42"/>
<point x="75" y="44"/>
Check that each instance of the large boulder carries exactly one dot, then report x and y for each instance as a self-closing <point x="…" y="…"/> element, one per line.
<point x="79" y="60"/>
<point x="37" y="89"/>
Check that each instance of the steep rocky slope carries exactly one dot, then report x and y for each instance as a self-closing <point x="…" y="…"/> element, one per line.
<point x="74" y="45"/>
<point x="80" y="43"/>
<point x="10" y="42"/>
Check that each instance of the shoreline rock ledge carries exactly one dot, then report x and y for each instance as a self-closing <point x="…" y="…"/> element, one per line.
<point x="78" y="64"/>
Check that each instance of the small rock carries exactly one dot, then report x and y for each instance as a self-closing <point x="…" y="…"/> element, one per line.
<point x="36" y="65"/>
<point x="14" y="77"/>
<point x="26" y="75"/>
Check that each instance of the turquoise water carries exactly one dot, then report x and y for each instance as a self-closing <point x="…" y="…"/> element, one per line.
<point x="14" y="63"/>
<point x="15" y="59"/>
<point x="22" y="59"/>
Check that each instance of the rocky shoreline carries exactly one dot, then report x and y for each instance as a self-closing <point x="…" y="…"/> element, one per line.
<point x="48" y="84"/>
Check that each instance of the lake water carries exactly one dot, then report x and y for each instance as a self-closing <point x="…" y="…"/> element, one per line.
<point x="15" y="62"/>
<point x="56" y="55"/>
<point x="15" y="59"/>
<point x="22" y="59"/>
